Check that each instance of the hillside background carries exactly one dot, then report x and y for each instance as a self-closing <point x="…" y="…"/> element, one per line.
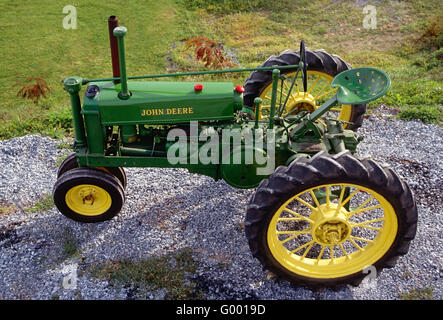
<point x="407" y="43"/>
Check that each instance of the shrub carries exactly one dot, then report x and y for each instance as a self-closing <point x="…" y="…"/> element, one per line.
<point x="209" y="52"/>
<point x="33" y="91"/>
<point x="423" y="113"/>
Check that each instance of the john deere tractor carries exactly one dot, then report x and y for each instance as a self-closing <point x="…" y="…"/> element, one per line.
<point x="319" y="216"/>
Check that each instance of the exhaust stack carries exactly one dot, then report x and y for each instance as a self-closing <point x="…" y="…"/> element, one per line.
<point x="112" y="24"/>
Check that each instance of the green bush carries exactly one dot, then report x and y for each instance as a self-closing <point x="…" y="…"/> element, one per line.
<point x="55" y="124"/>
<point x="423" y="113"/>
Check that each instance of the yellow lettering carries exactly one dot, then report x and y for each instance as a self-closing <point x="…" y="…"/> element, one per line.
<point x="169" y="111"/>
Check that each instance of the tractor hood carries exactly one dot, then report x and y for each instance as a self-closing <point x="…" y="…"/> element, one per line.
<point x="161" y="102"/>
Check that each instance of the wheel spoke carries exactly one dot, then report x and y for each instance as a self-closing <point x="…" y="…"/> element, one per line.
<point x="340" y="199"/>
<point x="327" y="196"/>
<point x="313" y="85"/>
<point x="320" y="254"/>
<point x="307" y="250"/>
<point x="302" y="246"/>
<point x="298" y="215"/>
<point x="305" y="203"/>
<point x="315" y="199"/>
<point x="325" y="94"/>
<point x="295" y="234"/>
<point x="370" y="227"/>
<point x="292" y="219"/>
<point x="289" y="90"/>
<point x="364" y="224"/>
<point x="347" y="199"/>
<point x="355" y="244"/>
<point x="366" y="209"/>
<point x="323" y="88"/>
<point x="350" y="214"/>
<point x="343" y="250"/>
<point x="282" y="93"/>
<point x="362" y="239"/>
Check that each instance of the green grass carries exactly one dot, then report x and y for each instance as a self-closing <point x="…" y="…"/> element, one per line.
<point x="35" y="44"/>
<point x="45" y="204"/>
<point x="70" y="246"/>
<point x="426" y="293"/>
<point x="169" y="272"/>
<point x="424" y="113"/>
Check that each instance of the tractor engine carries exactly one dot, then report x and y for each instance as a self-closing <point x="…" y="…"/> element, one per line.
<point x="152" y="106"/>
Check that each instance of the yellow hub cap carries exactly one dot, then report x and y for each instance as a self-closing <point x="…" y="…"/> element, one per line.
<point x="318" y="92"/>
<point x="88" y="200"/>
<point x="331" y="226"/>
<point x="332" y="231"/>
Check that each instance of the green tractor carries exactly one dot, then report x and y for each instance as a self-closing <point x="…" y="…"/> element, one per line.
<point x="319" y="216"/>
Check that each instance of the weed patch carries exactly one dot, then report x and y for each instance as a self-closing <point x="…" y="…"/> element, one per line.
<point x="418" y="294"/>
<point x="45" y="204"/>
<point x="423" y="113"/>
<point x="169" y="272"/>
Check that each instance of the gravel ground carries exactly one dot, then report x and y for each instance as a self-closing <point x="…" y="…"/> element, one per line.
<point x="170" y="209"/>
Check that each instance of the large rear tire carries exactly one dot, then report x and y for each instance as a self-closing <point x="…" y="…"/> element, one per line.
<point x="323" y="221"/>
<point x="322" y="68"/>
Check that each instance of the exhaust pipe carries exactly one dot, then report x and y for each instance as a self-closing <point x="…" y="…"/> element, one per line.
<point x="112" y="24"/>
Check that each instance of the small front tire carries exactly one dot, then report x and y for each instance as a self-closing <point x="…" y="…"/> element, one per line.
<point x="88" y="195"/>
<point x="71" y="162"/>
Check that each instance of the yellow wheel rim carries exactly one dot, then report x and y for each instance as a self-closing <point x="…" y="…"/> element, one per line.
<point x="318" y="91"/>
<point x="332" y="231"/>
<point x="88" y="200"/>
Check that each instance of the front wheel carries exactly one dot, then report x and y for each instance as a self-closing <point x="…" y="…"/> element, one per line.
<point x="71" y="162"/>
<point x="323" y="221"/>
<point x="88" y="195"/>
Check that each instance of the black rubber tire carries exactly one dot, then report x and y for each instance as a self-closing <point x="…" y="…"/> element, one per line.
<point x="71" y="163"/>
<point x="303" y="174"/>
<point x="90" y="176"/>
<point x="317" y="60"/>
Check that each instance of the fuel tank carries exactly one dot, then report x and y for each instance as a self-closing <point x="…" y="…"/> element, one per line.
<point x="161" y="102"/>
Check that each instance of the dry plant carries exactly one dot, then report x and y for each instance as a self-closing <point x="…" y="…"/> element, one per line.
<point x="33" y="90"/>
<point x="209" y="52"/>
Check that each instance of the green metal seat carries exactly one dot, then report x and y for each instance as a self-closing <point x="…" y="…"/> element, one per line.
<point x="361" y="85"/>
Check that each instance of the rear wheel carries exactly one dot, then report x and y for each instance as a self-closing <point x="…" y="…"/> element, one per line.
<point x="322" y="68"/>
<point x="321" y="222"/>
<point x="88" y="195"/>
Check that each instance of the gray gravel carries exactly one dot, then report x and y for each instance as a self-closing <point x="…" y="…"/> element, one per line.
<point x="170" y="209"/>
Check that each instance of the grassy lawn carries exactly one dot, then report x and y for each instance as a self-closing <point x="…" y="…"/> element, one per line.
<point x="35" y="44"/>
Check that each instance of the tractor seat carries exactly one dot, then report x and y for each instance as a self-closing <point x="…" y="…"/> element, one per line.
<point x="360" y="85"/>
